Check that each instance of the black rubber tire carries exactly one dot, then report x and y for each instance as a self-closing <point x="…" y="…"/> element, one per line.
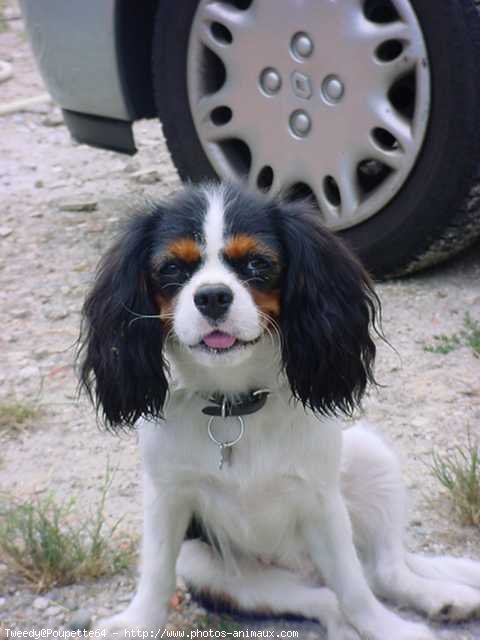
<point x="437" y="211"/>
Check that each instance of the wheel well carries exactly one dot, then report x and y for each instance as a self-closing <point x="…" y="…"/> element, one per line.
<point x="134" y="23"/>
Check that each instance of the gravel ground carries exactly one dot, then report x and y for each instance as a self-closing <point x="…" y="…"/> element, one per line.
<point x="61" y="205"/>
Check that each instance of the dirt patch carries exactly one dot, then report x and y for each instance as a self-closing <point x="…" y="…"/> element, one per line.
<point x="61" y="206"/>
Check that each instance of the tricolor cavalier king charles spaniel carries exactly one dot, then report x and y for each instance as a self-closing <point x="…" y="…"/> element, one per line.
<point x="232" y="331"/>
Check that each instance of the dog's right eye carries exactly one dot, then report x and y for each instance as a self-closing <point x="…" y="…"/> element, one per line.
<point x="171" y="269"/>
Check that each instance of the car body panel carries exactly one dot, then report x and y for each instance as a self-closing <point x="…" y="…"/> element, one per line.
<point x="75" y="45"/>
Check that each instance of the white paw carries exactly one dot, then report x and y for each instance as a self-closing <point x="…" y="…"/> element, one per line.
<point x="460" y="603"/>
<point x="345" y="632"/>
<point x="392" y="627"/>
<point x="412" y="631"/>
<point x="342" y="631"/>
<point x="407" y="631"/>
<point x="128" y="624"/>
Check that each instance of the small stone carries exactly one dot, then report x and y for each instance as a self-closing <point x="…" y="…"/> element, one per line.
<point x="146" y="176"/>
<point x="2" y="601"/>
<point x="20" y="313"/>
<point x="200" y="611"/>
<point x="131" y="166"/>
<point x="53" y="119"/>
<point x="40" y="603"/>
<point x="420" y="421"/>
<point x="56" y="314"/>
<point x="5" y="232"/>
<point x="81" y="621"/>
<point x="78" y="204"/>
<point x="27" y="373"/>
<point x="82" y="266"/>
<point x="95" y="228"/>
<point x="54" y="611"/>
<point x="39" y="184"/>
<point x="176" y="600"/>
<point x="41" y="354"/>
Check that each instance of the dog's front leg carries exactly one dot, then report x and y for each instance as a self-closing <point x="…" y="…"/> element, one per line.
<point x="166" y="517"/>
<point x="330" y="543"/>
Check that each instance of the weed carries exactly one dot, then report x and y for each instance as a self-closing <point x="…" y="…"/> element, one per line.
<point x="444" y="344"/>
<point x="459" y="473"/>
<point x="469" y="336"/>
<point x="40" y="540"/>
<point x="14" y="415"/>
<point x="472" y="333"/>
<point x="3" y="21"/>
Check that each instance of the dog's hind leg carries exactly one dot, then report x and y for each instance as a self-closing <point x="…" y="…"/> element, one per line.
<point x="259" y="590"/>
<point x="374" y="493"/>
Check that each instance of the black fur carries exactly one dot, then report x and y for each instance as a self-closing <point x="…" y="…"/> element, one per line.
<point x="121" y="360"/>
<point x="122" y="366"/>
<point x="328" y="310"/>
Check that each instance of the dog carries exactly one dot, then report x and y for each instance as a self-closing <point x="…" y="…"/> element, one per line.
<point x="233" y="332"/>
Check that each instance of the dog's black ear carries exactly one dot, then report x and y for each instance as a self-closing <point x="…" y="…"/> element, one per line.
<point x="328" y="311"/>
<point x="121" y="361"/>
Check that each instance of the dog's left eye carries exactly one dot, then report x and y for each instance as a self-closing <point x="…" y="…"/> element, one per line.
<point x="258" y="264"/>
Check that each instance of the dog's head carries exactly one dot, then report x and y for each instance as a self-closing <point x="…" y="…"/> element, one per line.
<point x="220" y="279"/>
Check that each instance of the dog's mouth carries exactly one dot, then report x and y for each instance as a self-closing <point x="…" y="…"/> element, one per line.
<point x="221" y="342"/>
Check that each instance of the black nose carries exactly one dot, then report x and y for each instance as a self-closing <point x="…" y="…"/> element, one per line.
<point x="213" y="300"/>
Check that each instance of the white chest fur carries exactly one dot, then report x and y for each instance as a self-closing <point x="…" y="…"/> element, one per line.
<point x="258" y="501"/>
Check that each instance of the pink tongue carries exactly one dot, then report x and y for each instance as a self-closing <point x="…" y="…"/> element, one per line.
<point x="219" y="340"/>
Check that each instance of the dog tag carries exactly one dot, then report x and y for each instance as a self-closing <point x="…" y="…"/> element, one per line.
<point x="225" y="456"/>
<point x="225" y="446"/>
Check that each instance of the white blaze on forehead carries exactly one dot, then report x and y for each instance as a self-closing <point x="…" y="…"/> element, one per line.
<point x="242" y="320"/>
<point x="214" y="222"/>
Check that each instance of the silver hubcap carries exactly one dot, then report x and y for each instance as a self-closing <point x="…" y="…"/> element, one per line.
<point x="326" y="99"/>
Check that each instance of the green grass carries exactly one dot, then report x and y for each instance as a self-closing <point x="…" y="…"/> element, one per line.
<point x="3" y="21"/>
<point x="459" y="473"/>
<point x="472" y="333"/>
<point x="46" y="542"/>
<point x="444" y="344"/>
<point x="14" y="414"/>
<point x="469" y="335"/>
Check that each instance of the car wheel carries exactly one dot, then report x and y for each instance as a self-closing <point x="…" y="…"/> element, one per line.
<point x="371" y="108"/>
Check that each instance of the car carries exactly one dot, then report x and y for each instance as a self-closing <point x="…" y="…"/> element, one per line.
<point x="368" y="108"/>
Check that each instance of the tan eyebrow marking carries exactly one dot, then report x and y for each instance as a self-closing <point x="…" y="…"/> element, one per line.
<point x="184" y="249"/>
<point x="241" y="245"/>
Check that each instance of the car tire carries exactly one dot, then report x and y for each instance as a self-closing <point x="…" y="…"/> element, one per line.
<point x="436" y="212"/>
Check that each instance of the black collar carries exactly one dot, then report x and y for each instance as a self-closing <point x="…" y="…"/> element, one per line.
<point x="243" y="405"/>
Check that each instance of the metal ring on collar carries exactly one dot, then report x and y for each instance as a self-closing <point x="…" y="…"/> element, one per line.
<point x="227" y="443"/>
